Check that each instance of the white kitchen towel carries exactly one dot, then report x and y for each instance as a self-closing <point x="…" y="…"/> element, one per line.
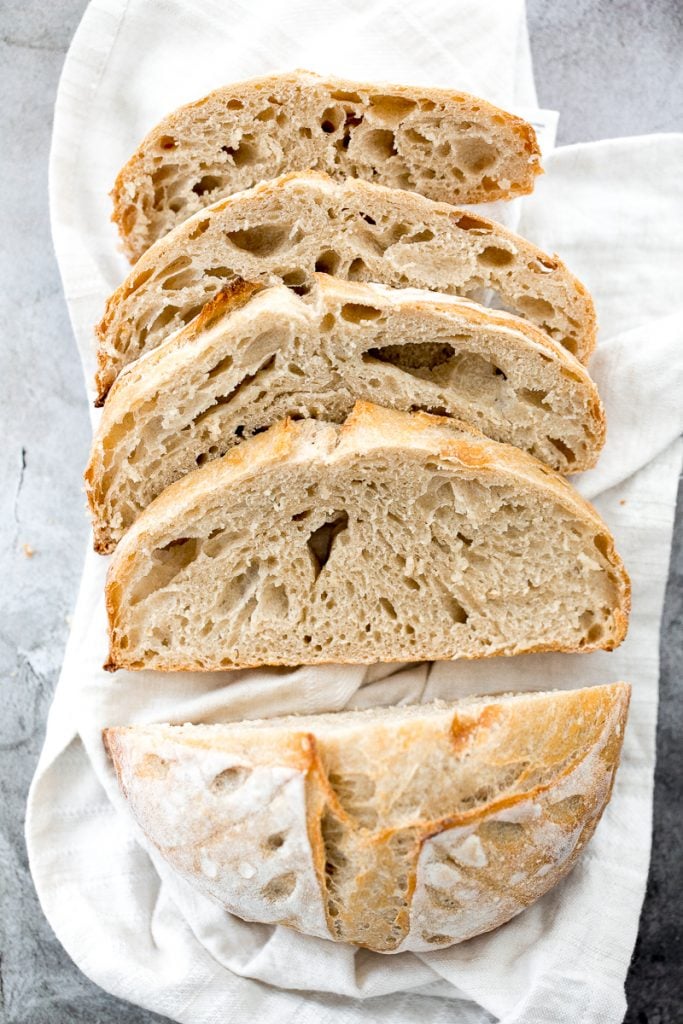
<point x="609" y="209"/>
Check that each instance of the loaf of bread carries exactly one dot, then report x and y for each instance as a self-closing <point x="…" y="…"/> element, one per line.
<point x="405" y="828"/>
<point x="284" y="230"/>
<point x="446" y="145"/>
<point x="395" y="537"/>
<point x="255" y="356"/>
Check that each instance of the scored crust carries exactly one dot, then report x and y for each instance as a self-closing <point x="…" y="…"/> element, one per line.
<point x="285" y="230"/>
<point x="445" y="145"/>
<point x="208" y="514"/>
<point x="406" y="828"/>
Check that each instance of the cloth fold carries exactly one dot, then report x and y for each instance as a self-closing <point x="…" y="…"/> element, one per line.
<point x="607" y="208"/>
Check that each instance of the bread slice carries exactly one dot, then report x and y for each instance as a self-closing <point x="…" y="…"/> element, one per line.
<point x="396" y="537"/>
<point x="405" y="828"/>
<point x="284" y="230"/>
<point x="446" y="145"/>
<point x="254" y="356"/>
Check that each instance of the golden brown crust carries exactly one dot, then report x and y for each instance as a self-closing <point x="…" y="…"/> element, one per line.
<point x="368" y="428"/>
<point x="403" y="826"/>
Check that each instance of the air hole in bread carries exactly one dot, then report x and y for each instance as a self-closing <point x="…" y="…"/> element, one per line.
<point x="208" y="183"/>
<point x="229" y="780"/>
<point x="184" y="279"/>
<point x="321" y="541"/>
<point x="138" y="281"/>
<point x="274" y="602"/>
<point x="357" y="312"/>
<point x="468" y="222"/>
<point x="243" y="155"/>
<point x="275" y="841"/>
<point x="380" y="144"/>
<point x="345" y="97"/>
<point x="531" y="397"/>
<point x="279" y="888"/>
<point x="220" y="368"/>
<point x="476" y="154"/>
<point x="388" y="607"/>
<point x="165" y="316"/>
<point x="166" y="563"/>
<point x="603" y="544"/>
<point x="295" y="279"/>
<point x="235" y="105"/>
<point x="416" y="137"/>
<point x="264" y="240"/>
<point x="391" y="109"/>
<point x="332" y="119"/>
<point x="494" y="256"/>
<point x="199" y="229"/>
<point x="167" y="142"/>
<point x="456" y="611"/>
<point x="564" y="449"/>
<point x="543" y="266"/>
<point x="537" y="309"/>
<point x="267" y="114"/>
<point x="358" y="270"/>
<point x="415" y="355"/>
<point x="327" y="262"/>
<point x="426" y="235"/>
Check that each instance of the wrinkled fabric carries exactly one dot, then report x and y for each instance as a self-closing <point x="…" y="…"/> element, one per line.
<point x="606" y="208"/>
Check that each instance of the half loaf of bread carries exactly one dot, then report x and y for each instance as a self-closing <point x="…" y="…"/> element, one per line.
<point x="446" y="145"/>
<point x="255" y="356"/>
<point x="405" y="828"/>
<point x="282" y="231"/>
<point x="395" y="537"/>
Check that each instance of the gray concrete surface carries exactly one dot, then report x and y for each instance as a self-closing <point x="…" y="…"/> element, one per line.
<point x="612" y="68"/>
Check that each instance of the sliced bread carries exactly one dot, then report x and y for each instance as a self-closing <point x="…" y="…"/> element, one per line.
<point x="406" y="828"/>
<point x="255" y="356"/>
<point x="395" y="537"/>
<point x="446" y="145"/>
<point x="283" y="231"/>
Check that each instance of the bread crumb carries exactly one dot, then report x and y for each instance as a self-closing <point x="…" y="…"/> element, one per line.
<point x="28" y="550"/>
<point x="623" y="501"/>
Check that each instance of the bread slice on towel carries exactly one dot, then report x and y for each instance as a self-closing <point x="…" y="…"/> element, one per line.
<point x="404" y="828"/>
<point x="395" y="537"/>
<point x="446" y="145"/>
<point x="284" y="230"/>
<point x="254" y="356"/>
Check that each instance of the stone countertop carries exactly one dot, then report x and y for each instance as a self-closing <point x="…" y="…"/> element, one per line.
<point x="612" y="69"/>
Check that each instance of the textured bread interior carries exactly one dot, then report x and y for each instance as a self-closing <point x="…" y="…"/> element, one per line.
<point x="239" y="370"/>
<point x="524" y="777"/>
<point x="447" y="146"/>
<point x="344" y="549"/>
<point x="284" y="231"/>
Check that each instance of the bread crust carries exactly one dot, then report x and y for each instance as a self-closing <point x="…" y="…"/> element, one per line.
<point x="137" y="393"/>
<point x="133" y="193"/>
<point x="412" y="828"/>
<point x="456" y="446"/>
<point x="120" y="338"/>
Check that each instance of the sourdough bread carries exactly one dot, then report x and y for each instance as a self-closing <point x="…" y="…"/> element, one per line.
<point x="446" y="145"/>
<point x="283" y="231"/>
<point x="255" y="356"/>
<point x="407" y="828"/>
<point x="395" y="537"/>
